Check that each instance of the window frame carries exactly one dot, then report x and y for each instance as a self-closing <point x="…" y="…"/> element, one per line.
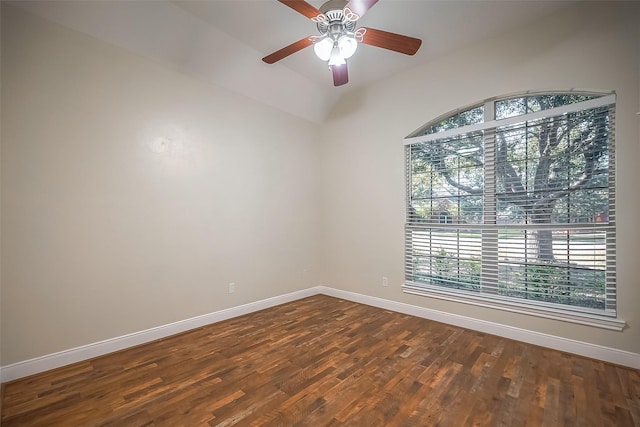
<point x="606" y="318"/>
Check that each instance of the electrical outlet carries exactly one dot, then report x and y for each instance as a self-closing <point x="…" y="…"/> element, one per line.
<point x="232" y="288"/>
<point x="385" y="281"/>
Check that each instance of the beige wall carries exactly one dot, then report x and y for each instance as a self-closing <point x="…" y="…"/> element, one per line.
<point x="592" y="46"/>
<point x="0" y="213"/>
<point x="101" y="234"/>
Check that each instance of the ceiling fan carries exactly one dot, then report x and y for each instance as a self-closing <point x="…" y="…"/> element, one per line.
<point x="339" y="38"/>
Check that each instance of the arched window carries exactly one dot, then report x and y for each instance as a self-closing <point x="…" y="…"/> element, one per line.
<point x="511" y="203"/>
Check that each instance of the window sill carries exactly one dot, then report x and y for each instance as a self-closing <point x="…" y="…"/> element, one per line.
<point x="595" y="320"/>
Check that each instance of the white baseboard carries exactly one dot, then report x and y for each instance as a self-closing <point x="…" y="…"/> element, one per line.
<point x="78" y="354"/>
<point x="66" y="357"/>
<point x="607" y="354"/>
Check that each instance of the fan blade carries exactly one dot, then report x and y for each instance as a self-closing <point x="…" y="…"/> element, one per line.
<point x="355" y="9"/>
<point x="392" y="41"/>
<point x="288" y="50"/>
<point x="305" y="9"/>
<point x="340" y="74"/>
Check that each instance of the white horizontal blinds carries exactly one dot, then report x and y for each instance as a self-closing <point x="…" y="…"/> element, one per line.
<point x="610" y="284"/>
<point x="554" y="170"/>
<point x="447" y="181"/>
<point x="489" y="232"/>
<point x="523" y="210"/>
<point x="445" y="257"/>
<point x="446" y="191"/>
<point x="553" y="182"/>
<point x="575" y="277"/>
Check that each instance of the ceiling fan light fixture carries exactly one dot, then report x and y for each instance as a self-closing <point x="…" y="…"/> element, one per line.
<point x="336" y="56"/>
<point x="339" y="37"/>
<point x="323" y="48"/>
<point x="347" y="45"/>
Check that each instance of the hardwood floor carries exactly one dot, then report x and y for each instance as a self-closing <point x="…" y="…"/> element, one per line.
<point x="322" y="361"/>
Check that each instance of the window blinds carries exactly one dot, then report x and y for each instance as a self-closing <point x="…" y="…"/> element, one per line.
<point x="520" y="209"/>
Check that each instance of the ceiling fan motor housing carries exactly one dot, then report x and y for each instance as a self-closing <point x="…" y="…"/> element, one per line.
<point x="335" y="25"/>
<point x="333" y="5"/>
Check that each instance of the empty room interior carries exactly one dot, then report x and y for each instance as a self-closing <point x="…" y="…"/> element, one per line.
<point x="207" y="219"/>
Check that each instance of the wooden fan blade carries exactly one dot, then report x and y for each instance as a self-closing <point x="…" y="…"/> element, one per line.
<point x="340" y="74"/>
<point x="305" y="9"/>
<point x="288" y="50"/>
<point x="392" y="41"/>
<point x="356" y="8"/>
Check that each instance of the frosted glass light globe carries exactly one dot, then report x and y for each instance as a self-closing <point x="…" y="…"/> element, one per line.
<point x="347" y="45"/>
<point x="323" y="48"/>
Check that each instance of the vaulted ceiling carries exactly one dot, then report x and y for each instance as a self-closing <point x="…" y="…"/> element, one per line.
<point x="222" y="41"/>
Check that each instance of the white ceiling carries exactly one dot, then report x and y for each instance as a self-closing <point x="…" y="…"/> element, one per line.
<point x="223" y="41"/>
<point x="267" y="26"/>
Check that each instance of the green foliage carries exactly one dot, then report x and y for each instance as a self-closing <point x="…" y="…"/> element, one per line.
<point x="556" y="283"/>
<point x="443" y="264"/>
<point x="453" y="272"/>
<point x="546" y="279"/>
<point x="464" y="118"/>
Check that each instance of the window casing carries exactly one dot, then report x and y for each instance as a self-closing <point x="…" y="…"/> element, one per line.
<point x="511" y="204"/>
